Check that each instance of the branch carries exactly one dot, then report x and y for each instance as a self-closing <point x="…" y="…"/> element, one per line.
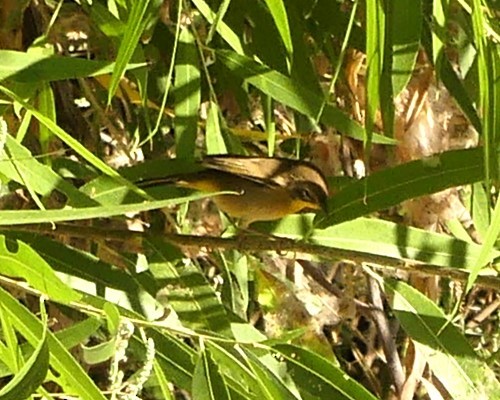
<point x="254" y="243"/>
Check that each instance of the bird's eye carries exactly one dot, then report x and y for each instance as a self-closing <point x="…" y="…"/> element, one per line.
<point x="305" y="194"/>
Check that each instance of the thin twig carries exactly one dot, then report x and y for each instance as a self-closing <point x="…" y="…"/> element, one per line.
<point x="386" y="336"/>
<point x="256" y="243"/>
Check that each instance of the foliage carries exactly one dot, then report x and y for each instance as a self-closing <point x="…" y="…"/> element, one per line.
<point x="106" y="84"/>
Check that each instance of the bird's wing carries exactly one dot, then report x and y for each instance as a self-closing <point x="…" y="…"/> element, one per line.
<point x="257" y="169"/>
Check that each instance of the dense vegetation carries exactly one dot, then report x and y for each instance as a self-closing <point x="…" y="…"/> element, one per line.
<point x="109" y="291"/>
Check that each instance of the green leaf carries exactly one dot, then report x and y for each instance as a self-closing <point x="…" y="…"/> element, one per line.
<point x="385" y="238"/>
<point x="22" y="167"/>
<point x="480" y="208"/>
<point x="107" y="23"/>
<point x="465" y="375"/>
<point x="18" y="260"/>
<point x="208" y="383"/>
<point x="162" y="381"/>
<point x="317" y="377"/>
<point x="375" y="46"/>
<point x="235" y="290"/>
<point x="391" y="186"/>
<point x="439" y="16"/>
<point x="484" y="257"/>
<point x="99" y="353"/>
<point x="175" y="357"/>
<point x="35" y="67"/>
<point x="112" y="318"/>
<point x="214" y="138"/>
<point x="187" y="94"/>
<point x="226" y="33"/>
<point x="221" y="12"/>
<point x="187" y="290"/>
<point x="78" y="333"/>
<point x="74" y="262"/>
<point x="278" y="11"/>
<point x="9" y="354"/>
<point x="47" y="106"/>
<point x="136" y="24"/>
<point x="68" y="139"/>
<point x="406" y="27"/>
<point x="72" y="376"/>
<point x="31" y="375"/>
<point x="456" y="88"/>
<point x="69" y="338"/>
<point x="270" y="385"/>
<point x="34" y="216"/>
<point x="235" y="371"/>
<point x="289" y="92"/>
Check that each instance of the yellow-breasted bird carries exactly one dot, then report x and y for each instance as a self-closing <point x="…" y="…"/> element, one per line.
<point x="265" y="188"/>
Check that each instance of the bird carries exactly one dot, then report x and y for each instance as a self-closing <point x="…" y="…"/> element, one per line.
<point x="262" y="188"/>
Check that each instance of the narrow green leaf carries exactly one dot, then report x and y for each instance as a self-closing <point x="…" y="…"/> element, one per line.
<point x="439" y="17"/>
<point x="70" y="337"/>
<point x="375" y="46"/>
<point x="133" y="31"/>
<point x="163" y="383"/>
<point x="457" y="230"/>
<point x="235" y="291"/>
<point x="112" y="318"/>
<point x="289" y="92"/>
<point x="20" y="261"/>
<point x="187" y="94"/>
<point x="386" y="238"/>
<point x="480" y="209"/>
<point x="393" y="185"/>
<point x="23" y="168"/>
<point x="208" y="383"/>
<point x="31" y="375"/>
<point x="486" y="84"/>
<point x="47" y="106"/>
<point x="224" y="5"/>
<point x="187" y="291"/>
<point x="455" y="86"/>
<point x="465" y="375"/>
<point x="317" y="377"/>
<point x="17" y="217"/>
<point x="270" y="385"/>
<point x="278" y="11"/>
<point x="69" y="140"/>
<point x="235" y="371"/>
<point x="99" y="353"/>
<point x="405" y="32"/>
<point x="226" y="33"/>
<point x="74" y="262"/>
<point x="175" y="357"/>
<point x="78" y="333"/>
<point x="35" y="67"/>
<point x="111" y="26"/>
<point x="72" y="376"/>
<point x="484" y="257"/>
<point x="214" y="138"/>
<point x="488" y="73"/>
<point x="9" y="350"/>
